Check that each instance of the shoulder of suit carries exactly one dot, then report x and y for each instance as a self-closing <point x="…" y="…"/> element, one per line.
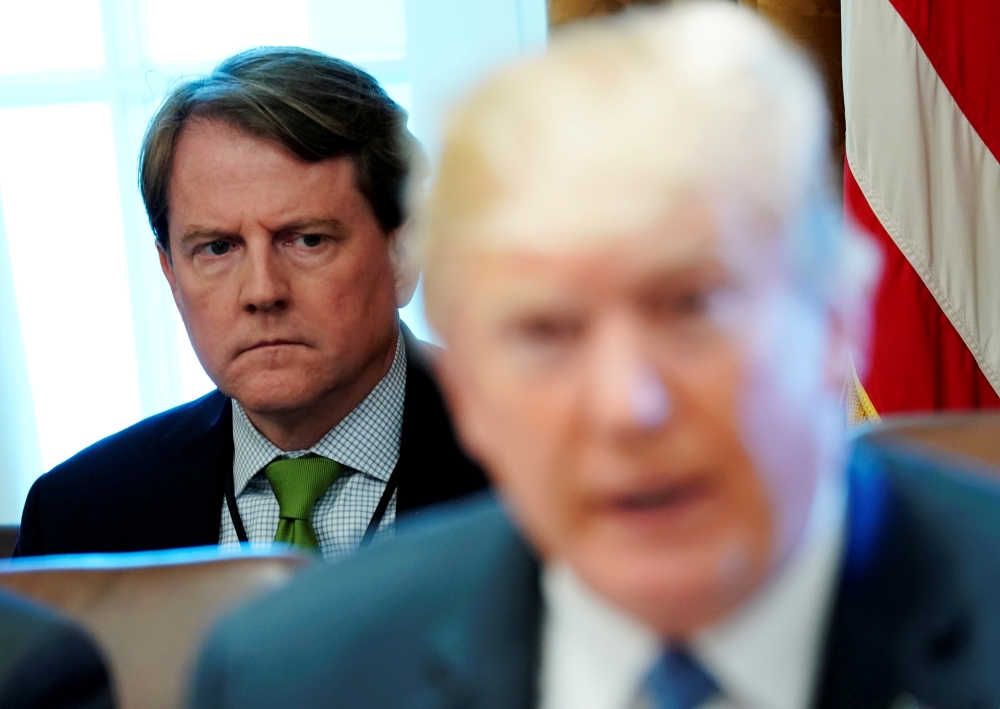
<point x="946" y="510"/>
<point x="420" y="355"/>
<point x="923" y="553"/>
<point x="939" y="483"/>
<point x="28" y="629"/>
<point x="407" y="617"/>
<point x="139" y="441"/>
<point x="23" y="624"/>
<point x="43" y="656"/>
<point x="434" y="565"/>
<point x="445" y="546"/>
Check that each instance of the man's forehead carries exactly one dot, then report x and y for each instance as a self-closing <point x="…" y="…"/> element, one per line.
<point x="678" y="230"/>
<point x="214" y="153"/>
<point x="204" y="141"/>
<point x="610" y="261"/>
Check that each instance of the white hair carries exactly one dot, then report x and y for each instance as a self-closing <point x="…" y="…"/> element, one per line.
<point x="619" y="121"/>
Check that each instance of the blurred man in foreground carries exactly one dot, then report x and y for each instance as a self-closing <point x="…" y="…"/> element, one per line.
<point x="274" y="186"/>
<point x="47" y="663"/>
<point x="649" y="308"/>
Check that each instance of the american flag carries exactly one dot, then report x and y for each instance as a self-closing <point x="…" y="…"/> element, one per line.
<point x="922" y="98"/>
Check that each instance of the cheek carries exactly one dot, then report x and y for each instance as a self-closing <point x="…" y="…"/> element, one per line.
<point x="209" y="312"/>
<point x="782" y="413"/>
<point x="526" y="437"/>
<point x="360" y="288"/>
<point x="528" y="424"/>
<point x="708" y="386"/>
<point x="710" y="432"/>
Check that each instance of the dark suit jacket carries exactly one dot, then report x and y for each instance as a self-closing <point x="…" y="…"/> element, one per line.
<point x="47" y="663"/>
<point x="160" y="483"/>
<point x="449" y="616"/>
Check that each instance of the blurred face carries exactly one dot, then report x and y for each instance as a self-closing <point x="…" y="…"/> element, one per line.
<point x="280" y="271"/>
<point x="649" y="406"/>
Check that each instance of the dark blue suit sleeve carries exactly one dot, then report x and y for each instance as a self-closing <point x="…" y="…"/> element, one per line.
<point x="48" y="663"/>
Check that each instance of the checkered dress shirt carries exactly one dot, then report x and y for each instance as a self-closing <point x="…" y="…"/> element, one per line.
<point x="365" y="443"/>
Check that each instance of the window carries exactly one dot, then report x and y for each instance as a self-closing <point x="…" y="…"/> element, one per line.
<point x="90" y="341"/>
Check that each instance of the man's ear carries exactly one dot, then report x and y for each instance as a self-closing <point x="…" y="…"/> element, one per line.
<point x="848" y="341"/>
<point x="405" y="264"/>
<point x="839" y="347"/>
<point x="852" y="310"/>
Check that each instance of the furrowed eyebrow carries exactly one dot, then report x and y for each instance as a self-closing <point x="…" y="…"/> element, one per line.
<point x="334" y="225"/>
<point x="198" y="233"/>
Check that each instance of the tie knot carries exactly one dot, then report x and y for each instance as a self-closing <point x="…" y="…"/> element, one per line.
<point x="678" y="682"/>
<point x="299" y="482"/>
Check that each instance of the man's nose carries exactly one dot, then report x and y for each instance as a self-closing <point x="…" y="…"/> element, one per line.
<point x="265" y="286"/>
<point x="626" y="393"/>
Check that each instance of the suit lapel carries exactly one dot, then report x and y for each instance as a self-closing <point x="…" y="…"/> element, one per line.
<point x="900" y="630"/>
<point x="180" y="502"/>
<point x="432" y="468"/>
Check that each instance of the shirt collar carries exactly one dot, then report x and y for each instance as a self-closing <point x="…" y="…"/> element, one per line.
<point x="366" y="440"/>
<point x="594" y="656"/>
<point x="765" y="656"/>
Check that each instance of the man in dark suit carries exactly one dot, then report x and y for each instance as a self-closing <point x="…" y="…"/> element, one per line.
<point x="274" y="187"/>
<point x="457" y="618"/>
<point x="649" y="312"/>
<point x="47" y="663"/>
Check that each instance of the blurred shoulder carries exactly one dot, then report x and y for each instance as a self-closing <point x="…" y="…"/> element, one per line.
<point x="947" y="490"/>
<point x="46" y="661"/>
<point x="936" y="512"/>
<point x="916" y="605"/>
<point x="367" y="623"/>
<point x="432" y="562"/>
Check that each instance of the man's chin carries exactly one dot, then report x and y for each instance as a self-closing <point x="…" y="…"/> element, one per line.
<point x="672" y="594"/>
<point x="274" y="393"/>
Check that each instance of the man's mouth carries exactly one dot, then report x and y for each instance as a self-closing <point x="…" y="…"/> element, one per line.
<point x="666" y="498"/>
<point x="268" y="343"/>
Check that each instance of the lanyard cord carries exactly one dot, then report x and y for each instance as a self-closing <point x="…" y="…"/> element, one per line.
<point x="373" y="525"/>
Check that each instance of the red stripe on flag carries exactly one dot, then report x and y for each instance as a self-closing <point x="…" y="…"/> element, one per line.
<point x="917" y="362"/>
<point x="960" y="37"/>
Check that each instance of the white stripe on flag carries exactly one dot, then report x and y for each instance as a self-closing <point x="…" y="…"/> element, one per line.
<point x="929" y="178"/>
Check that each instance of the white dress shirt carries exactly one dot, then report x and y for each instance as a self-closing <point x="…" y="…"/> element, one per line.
<point x="365" y="443"/>
<point x="764" y="656"/>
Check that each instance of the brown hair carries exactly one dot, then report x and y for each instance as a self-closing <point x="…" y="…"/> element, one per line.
<point x="316" y="106"/>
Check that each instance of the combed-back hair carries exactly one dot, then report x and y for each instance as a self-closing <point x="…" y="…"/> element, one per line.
<point x="621" y="121"/>
<point x="314" y="105"/>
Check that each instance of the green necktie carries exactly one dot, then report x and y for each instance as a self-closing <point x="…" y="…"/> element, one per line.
<point x="298" y="483"/>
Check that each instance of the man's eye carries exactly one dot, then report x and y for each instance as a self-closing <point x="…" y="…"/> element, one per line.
<point x="311" y="240"/>
<point x="550" y="331"/>
<point x="683" y="304"/>
<point x="218" y="248"/>
<point x="691" y="303"/>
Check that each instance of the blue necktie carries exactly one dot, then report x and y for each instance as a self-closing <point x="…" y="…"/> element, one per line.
<point x="678" y="682"/>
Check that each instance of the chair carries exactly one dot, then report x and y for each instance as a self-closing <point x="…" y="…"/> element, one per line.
<point x="149" y="611"/>
<point x="8" y="537"/>
<point x="968" y="440"/>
